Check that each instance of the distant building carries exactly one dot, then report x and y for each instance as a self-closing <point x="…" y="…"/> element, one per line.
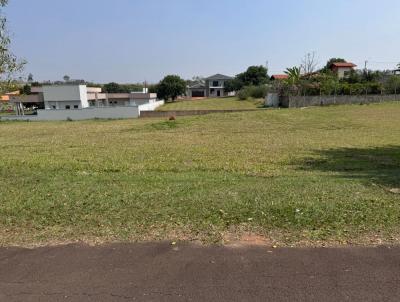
<point x="213" y="86"/>
<point x="5" y="98"/>
<point x="69" y="97"/>
<point x="279" y="77"/>
<point x="63" y="101"/>
<point x="342" y="69"/>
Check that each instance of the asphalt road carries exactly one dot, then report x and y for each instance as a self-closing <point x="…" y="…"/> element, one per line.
<point x="161" y="272"/>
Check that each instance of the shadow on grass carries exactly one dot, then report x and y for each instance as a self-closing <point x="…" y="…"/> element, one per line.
<point x="380" y="165"/>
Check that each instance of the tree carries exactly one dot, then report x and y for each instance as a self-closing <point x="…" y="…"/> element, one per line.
<point x="30" y="78"/>
<point x="333" y="60"/>
<point x="112" y="88"/>
<point x="398" y="65"/>
<point x="309" y="63"/>
<point x="254" y="75"/>
<point x="233" y="85"/>
<point x="171" y="87"/>
<point x="66" y="78"/>
<point x="153" y="88"/>
<point x="353" y="77"/>
<point x="9" y="64"/>
<point x="294" y="75"/>
<point x="26" y="89"/>
<point x="393" y="84"/>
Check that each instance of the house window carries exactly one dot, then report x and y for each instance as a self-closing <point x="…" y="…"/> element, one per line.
<point x="212" y="90"/>
<point x="215" y="83"/>
<point x="67" y="107"/>
<point x="76" y="106"/>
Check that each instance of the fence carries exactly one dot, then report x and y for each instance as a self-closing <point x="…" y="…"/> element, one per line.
<point x="306" y="101"/>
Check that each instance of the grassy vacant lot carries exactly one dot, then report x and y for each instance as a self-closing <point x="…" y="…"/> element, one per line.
<point x="212" y="103"/>
<point x="295" y="176"/>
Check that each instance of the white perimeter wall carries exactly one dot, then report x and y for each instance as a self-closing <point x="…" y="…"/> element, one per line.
<point x="88" y="113"/>
<point x="150" y="106"/>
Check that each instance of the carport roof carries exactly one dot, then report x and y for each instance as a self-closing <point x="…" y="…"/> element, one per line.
<point x="197" y="86"/>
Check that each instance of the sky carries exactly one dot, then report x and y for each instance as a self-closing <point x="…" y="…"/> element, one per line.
<point x="130" y="41"/>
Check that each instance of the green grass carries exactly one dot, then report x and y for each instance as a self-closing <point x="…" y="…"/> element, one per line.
<point x="212" y="103"/>
<point x="295" y="176"/>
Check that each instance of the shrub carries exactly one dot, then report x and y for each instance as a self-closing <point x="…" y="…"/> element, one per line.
<point x="244" y="93"/>
<point x="256" y="92"/>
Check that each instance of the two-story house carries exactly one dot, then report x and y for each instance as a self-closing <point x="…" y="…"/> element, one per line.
<point x="213" y="86"/>
<point x="342" y="69"/>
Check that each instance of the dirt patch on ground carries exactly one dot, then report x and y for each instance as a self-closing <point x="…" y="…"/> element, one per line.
<point x="246" y="240"/>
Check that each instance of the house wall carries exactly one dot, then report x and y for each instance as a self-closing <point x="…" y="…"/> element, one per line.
<point x="219" y="87"/>
<point x="215" y="92"/>
<point x="342" y="70"/>
<point x="62" y="104"/>
<point x="65" y="95"/>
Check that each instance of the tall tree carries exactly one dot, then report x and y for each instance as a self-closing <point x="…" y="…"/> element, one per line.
<point x="66" y="78"/>
<point x="233" y="85"/>
<point x="254" y="75"/>
<point x="26" y="89"/>
<point x="9" y="64"/>
<point x="171" y="87"/>
<point x="30" y="78"/>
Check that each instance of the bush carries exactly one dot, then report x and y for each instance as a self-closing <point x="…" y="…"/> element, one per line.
<point x="244" y="93"/>
<point x="256" y="92"/>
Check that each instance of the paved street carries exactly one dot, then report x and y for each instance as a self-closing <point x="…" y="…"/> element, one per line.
<point x="162" y="272"/>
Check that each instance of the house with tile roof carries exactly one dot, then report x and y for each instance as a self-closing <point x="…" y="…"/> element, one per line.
<point x="279" y="77"/>
<point x="342" y="69"/>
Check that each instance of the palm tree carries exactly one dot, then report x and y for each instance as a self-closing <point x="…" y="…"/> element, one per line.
<point x="294" y="75"/>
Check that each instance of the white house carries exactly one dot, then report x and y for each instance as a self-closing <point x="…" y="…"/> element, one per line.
<point x="61" y="102"/>
<point x="342" y="69"/>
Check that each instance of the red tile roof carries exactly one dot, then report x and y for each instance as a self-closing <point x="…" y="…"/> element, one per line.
<point x="343" y="64"/>
<point x="279" y="76"/>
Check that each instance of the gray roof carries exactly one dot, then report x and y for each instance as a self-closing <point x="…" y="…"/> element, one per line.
<point x="197" y="86"/>
<point x="219" y="76"/>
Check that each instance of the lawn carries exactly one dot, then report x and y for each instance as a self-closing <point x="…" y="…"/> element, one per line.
<point x="213" y="103"/>
<point x="326" y="175"/>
